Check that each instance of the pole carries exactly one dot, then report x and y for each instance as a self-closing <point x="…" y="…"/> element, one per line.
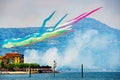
<point x="1" y="72"/>
<point x="82" y="70"/>
<point x="54" y="66"/>
<point x="29" y="70"/>
<point x="54" y="71"/>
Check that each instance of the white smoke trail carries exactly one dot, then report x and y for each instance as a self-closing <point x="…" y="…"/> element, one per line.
<point x="90" y="48"/>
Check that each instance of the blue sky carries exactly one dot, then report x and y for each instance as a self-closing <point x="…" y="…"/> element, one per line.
<point x="31" y="13"/>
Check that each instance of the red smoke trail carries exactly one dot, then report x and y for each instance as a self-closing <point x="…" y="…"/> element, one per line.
<point x="86" y="15"/>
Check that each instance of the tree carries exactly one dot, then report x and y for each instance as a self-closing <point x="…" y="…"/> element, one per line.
<point x="10" y="67"/>
<point x="34" y="65"/>
<point x="20" y="66"/>
<point x="2" y="64"/>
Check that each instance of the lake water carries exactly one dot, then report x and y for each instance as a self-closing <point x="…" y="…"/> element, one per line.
<point x="65" y="76"/>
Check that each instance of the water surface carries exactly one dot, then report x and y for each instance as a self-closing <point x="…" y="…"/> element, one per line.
<point x="65" y="76"/>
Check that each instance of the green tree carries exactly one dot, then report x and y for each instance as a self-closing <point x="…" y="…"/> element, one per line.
<point x="17" y="66"/>
<point x="34" y="65"/>
<point x="10" y="66"/>
<point x="2" y="64"/>
<point x="21" y="66"/>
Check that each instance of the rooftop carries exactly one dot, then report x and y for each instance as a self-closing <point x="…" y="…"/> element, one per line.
<point x="1" y="57"/>
<point x="12" y="54"/>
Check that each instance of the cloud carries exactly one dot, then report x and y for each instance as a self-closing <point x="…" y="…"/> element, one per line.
<point x="32" y="56"/>
<point x="91" y="48"/>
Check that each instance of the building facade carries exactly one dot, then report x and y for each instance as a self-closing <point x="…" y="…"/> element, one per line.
<point x="12" y="57"/>
<point x="1" y="58"/>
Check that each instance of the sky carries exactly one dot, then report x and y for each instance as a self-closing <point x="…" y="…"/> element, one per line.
<point x="31" y="13"/>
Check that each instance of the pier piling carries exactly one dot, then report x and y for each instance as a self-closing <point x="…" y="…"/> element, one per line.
<point x="82" y="70"/>
<point x="30" y="71"/>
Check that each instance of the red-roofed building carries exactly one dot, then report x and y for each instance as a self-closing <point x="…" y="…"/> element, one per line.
<point x="13" y="57"/>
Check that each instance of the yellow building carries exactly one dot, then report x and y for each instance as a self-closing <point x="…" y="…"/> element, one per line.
<point x="17" y="59"/>
<point x="14" y="57"/>
<point x="1" y="58"/>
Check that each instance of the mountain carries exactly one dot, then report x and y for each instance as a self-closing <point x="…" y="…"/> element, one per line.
<point x="82" y="26"/>
<point x="93" y="43"/>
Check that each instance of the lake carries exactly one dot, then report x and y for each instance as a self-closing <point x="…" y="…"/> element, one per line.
<point x="64" y="76"/>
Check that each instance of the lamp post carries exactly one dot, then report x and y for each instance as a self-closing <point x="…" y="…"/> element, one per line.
<point x="54" y="66"/>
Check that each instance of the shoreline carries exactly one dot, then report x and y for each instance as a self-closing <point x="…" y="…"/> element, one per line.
<point x="13" y="72"/>
<point x="23" y="72"/>
<point x="34" y="72"/>
<point x="17" y="72"/>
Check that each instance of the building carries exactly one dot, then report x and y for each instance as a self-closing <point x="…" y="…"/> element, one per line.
<point x="12" y="57"/>
<point x="1" y="58"/>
